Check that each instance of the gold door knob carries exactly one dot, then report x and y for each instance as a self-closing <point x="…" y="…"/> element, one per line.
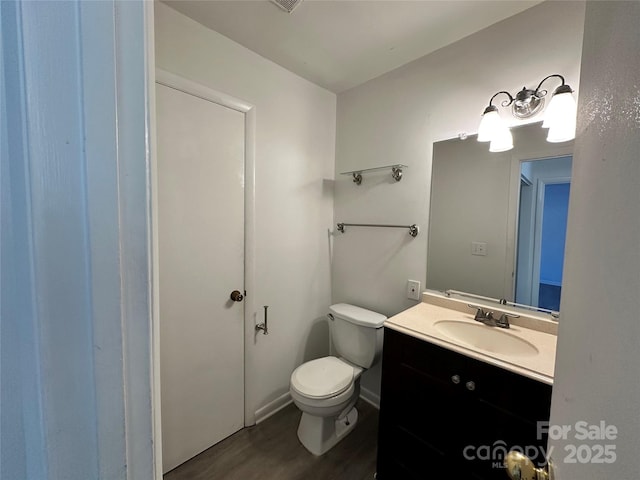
<point x="520" y="467"/>
<point x="236" y="296"/>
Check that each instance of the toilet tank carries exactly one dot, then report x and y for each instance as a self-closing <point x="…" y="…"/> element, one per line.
<point x="356" y="333"/>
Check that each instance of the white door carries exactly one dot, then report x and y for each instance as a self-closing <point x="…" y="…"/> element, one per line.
<point x="201" y="261"/>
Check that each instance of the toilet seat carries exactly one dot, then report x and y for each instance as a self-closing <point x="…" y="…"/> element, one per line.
<point x="322" y="378"/>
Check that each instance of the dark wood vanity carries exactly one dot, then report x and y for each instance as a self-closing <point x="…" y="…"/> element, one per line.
<point x="448" y="416"/>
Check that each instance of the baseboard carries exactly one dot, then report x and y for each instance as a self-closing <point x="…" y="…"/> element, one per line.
<point x="273" y="407"/>
<point x="370" y="397"/>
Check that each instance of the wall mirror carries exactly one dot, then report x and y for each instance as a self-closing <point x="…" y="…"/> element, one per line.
<point x="498" y="220"/>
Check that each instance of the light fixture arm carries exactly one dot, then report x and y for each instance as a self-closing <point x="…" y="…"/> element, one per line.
<point x="542" y="93"/>
<point x="504" y="103"/>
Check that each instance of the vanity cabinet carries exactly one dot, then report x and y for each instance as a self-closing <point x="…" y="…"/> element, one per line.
<point x="444" y="415"/>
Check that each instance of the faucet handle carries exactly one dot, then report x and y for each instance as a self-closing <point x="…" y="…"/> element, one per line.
<point x="503" y="321"/>
<point x="480" y="313"/>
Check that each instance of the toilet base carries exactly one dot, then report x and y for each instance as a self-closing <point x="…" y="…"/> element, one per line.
<point x="320" y="434"/>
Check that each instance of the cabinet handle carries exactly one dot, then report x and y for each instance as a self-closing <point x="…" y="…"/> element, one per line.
<point x="471" y="386"/>
<point x="455" y="379"/>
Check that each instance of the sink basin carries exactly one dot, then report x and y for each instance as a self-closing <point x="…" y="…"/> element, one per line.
<point x="489" y="339"/>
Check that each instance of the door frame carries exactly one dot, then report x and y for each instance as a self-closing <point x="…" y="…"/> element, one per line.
<point x="537" y="232"/>
<point x="190" y="87"/>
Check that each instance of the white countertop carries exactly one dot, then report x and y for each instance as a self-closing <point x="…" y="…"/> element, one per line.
<point x="419" y="322"/>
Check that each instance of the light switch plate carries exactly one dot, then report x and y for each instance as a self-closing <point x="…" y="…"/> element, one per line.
<point x="479" y="248"/>
<point x="413" y="289"/>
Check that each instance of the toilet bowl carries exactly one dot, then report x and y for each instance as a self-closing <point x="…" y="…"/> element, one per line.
<point x="326" y="389"/>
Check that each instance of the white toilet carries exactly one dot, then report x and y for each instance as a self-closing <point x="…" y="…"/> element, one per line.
<point x="326" y="389"/>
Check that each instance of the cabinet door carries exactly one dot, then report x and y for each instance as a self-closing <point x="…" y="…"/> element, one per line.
<point x="423" y="418"/>
<point x="507" y="408"/>
<point x="433" y="426"/>
<point x="497" y="431"/>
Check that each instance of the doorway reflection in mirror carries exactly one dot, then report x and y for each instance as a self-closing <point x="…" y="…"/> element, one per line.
<point x="497" y="201"/>
<point x="542" y="227"/>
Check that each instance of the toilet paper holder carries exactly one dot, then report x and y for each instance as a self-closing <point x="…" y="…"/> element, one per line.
<point x="263" y="326"/>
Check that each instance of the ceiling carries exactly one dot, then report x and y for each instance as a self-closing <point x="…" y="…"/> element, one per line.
<point x="339" y="44"/>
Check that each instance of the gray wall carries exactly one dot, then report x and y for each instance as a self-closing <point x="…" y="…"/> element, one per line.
<point x="598" y="338"/>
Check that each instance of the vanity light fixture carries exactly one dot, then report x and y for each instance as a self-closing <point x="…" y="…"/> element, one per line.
<point x="560" y="116"/>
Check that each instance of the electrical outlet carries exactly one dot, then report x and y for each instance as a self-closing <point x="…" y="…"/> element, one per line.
<point x="413" y="289"/>
<point x="479" y="248"/>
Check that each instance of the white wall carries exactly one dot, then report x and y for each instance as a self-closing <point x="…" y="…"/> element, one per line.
<point x="295" y="145"/>
<point x="396" y="118"/>
<point x="598" y="338"/>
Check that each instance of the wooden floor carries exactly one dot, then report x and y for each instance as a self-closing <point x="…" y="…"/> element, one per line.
<point x="271" y="451"/>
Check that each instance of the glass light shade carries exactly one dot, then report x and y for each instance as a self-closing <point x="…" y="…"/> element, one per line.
<point x="560" y="118"/>
<point x="502" y="140"/>
<point x="549" y="115"/>
<point x="561" y="110"/>
<point x="562" y="132"/>
<point x="489" y="126"/>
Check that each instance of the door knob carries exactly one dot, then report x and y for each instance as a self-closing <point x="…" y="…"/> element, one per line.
<point x="236" y="296"/>
<point x="520" y="467"/>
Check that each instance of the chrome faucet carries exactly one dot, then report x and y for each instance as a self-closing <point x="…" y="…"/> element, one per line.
<point x="488" y="319"/>
<point x="502" y="321"/>
<point x="480" y="315"/>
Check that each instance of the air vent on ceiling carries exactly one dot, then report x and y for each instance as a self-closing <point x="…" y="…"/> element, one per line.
<point x="287" y="5"/>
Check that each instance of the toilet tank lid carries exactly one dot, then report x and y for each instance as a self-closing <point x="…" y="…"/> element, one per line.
<point x="357" y="315"/>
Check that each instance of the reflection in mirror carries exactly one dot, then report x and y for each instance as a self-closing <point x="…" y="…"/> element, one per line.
<point x="498" y="220"/>
<point x="542" y="227"/>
